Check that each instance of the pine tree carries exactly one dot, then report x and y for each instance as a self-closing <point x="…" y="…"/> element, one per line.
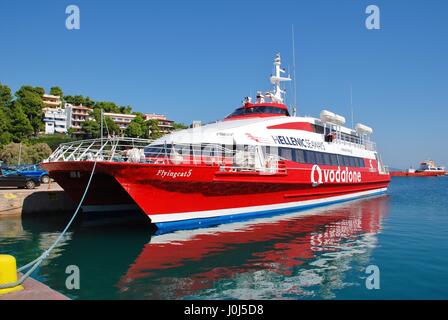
<point x="21" y="127"/>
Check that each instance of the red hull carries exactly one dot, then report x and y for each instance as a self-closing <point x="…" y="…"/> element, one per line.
<point x="417" y="174"/>
<point x="164" y="190"/>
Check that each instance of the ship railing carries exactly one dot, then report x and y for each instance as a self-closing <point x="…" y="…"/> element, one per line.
<point x="120" y="149"/>
<point x="354" y="141"/>
<point x="238" y="159"/>
<point x="110" y="149"/>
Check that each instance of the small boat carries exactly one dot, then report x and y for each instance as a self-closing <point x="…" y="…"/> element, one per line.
<point x="427" y="168"/>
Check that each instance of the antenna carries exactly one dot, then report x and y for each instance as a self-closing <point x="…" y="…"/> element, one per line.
<point x="351" y="104"/>
<point x="276" y="96"/>
<point x="294" y="108"/>
<point x="101" y="125"/>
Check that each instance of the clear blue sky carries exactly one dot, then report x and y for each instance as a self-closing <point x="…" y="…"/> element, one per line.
<point x="195" y="60"/>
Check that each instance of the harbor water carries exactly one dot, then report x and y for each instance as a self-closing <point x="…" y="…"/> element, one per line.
<point x="321" y="253"/>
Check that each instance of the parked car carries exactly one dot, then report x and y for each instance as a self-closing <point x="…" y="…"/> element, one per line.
<point x="9" y="178"/>
<point x="34" y="170"/>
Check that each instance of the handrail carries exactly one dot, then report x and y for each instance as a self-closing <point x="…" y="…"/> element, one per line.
<point x="115" y="149"/>
<point x="359" y="142"/>
<point x="105" y="149"/>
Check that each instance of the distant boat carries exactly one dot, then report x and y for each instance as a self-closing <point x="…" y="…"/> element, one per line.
<point x="427" y="169"/>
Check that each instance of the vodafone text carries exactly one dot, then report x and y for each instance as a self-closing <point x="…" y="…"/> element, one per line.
<point x="339" y="176"/>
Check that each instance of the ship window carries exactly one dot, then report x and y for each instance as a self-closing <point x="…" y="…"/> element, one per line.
<point x="259" y="110"/>
<point x="285" y="153"/>
<point x="318" y="128"/>
<point x="310" y="157"/>
<point x="319" y="158"/>
<point x="153" y="150"/>
<point x="334" y="159"/>
<point x="299" y="156"/>
<point x="352" y="162"/>
<point x="347" y="161"/>
<point x="361" y="162"/>
<point x="342" y="160"/>
<point x="268" y="150"/>
<point x="327" y="160"/>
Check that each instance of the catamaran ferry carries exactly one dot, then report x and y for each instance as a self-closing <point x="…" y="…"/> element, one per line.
<point x="258" y="160"/>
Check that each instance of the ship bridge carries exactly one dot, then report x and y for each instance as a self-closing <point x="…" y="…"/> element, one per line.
<point x="258" y="110"/>
<point x="268" y="104"/>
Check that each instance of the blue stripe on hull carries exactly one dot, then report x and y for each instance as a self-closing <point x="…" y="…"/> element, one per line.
<point x="165" y="227"/>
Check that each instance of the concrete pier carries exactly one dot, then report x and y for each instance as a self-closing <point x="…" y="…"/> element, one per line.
<point x="44" y="199"/>
<point x="34" y="290"/>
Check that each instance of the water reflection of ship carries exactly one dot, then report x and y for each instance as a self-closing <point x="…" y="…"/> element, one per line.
<point x="290" y="256"/>
<point x="103" y="254"/>
<point x="301" y="254"/>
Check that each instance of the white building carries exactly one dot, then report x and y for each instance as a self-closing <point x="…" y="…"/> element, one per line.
<point x="51" y="101"/>
<point x="121" y="119"/>
<point x="165" y="125"/>
<point x="76" y="115"/>
<point x="55" y="120"/>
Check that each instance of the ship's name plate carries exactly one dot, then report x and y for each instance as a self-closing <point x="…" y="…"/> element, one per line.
<point x="174" y="174"/>
<point x="300" y="142"/>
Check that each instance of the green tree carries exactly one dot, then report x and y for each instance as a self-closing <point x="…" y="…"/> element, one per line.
<point x="30" y="100"/>
<point x="137" y="128"/>
<point x="154" y="129"/>
<point x="5" y="96"/>
<point x="21" y="128"/>
<point x="74" y="100"/>
<point x="179" y="126"/>
<point x="91" y="128"/>
<point x="52" y="140"/>
<point x="88" y="102"/>
<point x="71" y="131"/>
<point x="107" y="106"/>
<point x="79" y="100"/>
<point x="126" y="109"/>
<point x="56" y="91"/>
<point x="5" y="121"/>
<point x="38" y="152"/>
<point x="5" y="126"/>
<point x="13" y="153"/>
<point x="110" y="127"/>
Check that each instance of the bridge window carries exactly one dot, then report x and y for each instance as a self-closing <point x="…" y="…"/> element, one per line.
<point x="318" y="128"/>
<point x="259" y="110"/>
<point x="285" y="153"/>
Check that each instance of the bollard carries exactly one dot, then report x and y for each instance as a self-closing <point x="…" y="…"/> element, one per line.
<point x="8" y="273"/>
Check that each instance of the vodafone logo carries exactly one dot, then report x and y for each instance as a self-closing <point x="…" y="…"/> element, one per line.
<point x="319" y="176"/>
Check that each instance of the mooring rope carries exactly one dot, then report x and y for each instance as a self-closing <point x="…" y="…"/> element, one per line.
<point x="36" y="262"/>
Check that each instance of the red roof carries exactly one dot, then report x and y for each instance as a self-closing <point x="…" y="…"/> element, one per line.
<point x="266" y="104"/>
<point x="260" y="115"/>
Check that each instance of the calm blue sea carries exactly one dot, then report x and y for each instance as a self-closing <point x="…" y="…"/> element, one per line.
<point x="316" y="254"/>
